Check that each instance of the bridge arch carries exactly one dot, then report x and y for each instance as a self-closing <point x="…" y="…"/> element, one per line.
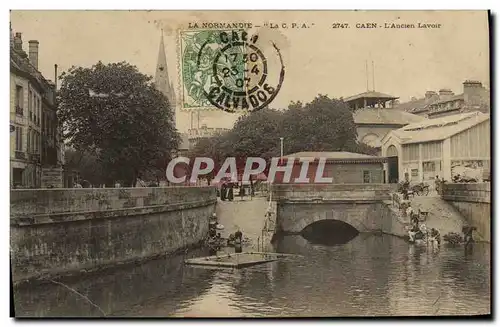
<point x="361" y="216"/>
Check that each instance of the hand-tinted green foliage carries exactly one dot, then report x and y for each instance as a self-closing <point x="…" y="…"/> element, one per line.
<point x="86" y="164"/>
<point x="322" y="125"/>
<point x="115" y="113"/>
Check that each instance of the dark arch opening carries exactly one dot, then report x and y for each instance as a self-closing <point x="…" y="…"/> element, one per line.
<point x="329" y="232"/>
<point x="392" y="164"/>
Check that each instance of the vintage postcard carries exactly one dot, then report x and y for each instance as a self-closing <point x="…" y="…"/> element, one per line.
<point x="250" y="163"/>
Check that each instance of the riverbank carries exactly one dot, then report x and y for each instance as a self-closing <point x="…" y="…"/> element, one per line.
<point x="69" y="276"/>
<point x="372" y="275"/>
<point x="441" y="215"/>
<point x="57" y="232"/>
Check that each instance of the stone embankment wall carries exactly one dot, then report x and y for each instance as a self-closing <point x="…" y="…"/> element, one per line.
<point x="473" y="201"/>
<point x="61" y="231"/>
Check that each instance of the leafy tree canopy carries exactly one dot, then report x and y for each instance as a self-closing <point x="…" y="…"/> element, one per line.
<point x="324" y="124"/>
<point x="115" y="113"/>
<point x="86" y="164"/>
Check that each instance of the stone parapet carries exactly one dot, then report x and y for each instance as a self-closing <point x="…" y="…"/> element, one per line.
<point x="467" y="192"/>
<point x="330" y="192"/>
<point x="59" y="231"/>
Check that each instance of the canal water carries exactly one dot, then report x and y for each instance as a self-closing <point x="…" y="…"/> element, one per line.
<point x="371" y="275"/>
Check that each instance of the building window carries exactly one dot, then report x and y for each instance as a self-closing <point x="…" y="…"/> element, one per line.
<point x="17" y="176"/>
<point x="19" y="138"/>
<point x="429" y="166"/>
<point x="35" y="109"/>
<point x="410" y="152"/>
<point x="431" y="169"/>
<point x="28" y="140"/>
<point x="414" y="173"/>
<point x="37" y="144"/>
<point x="19" y="96"/>
<point x="30" y="103"/>
<point x="39" y="111"/>
<point x="432" y="150"/>
<point x="34" y="142"/>
<point x="366" y="176"/>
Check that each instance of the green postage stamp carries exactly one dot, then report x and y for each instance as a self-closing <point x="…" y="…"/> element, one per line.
<point x="226" y="69"/>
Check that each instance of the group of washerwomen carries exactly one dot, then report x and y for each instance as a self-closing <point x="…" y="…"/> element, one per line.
<point x="419" y="231"/>
<point x="214" y="237"/>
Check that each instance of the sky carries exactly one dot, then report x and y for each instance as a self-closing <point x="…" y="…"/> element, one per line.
<point x="318" y="60"/>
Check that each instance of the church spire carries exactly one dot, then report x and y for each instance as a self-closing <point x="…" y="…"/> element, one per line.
<point x="162" y="81"/>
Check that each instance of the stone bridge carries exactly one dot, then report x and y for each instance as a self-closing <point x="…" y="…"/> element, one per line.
<point x="359" y="205"/>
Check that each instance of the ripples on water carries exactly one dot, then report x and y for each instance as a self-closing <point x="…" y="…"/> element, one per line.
<point x="370" y="275"/>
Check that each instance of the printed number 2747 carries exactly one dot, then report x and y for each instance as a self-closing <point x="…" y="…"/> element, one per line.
<point x="340" y="25"/>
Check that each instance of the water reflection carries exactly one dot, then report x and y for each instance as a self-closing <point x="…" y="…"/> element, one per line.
<point x="329" y="232"/>
<point x="117" y="292"/>
<point x="370" y="275"/>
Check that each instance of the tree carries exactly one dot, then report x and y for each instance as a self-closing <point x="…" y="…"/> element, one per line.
<point x="360" y="147"/>
<point x="209" y="147"/>
<point x="86" y="164"/>
<point x="115" y="113"/>
<point x="255" y="135"/>
<point x="322" y="125"/>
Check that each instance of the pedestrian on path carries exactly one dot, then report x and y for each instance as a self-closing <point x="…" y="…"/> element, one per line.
<point x="242" y="191"/>
<point x="437" y="182"/>
<point x="230" y="195"/>
<point x="223" y="191"/>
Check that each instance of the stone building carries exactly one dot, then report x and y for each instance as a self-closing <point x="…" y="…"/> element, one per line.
<point x="375" y="115"/>
<point x="475" y="97"/>
<point x="165" y="86"/>
<point x="196" y="134"/>
<point x="343" y="167"/>
<point x="184" y="145"/>
<point x="444" y="147"/>
<point x="162" y="79"/>
<point x="36" y="155"/>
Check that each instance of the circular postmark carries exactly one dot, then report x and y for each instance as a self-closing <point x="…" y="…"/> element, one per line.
<point x="241" y="76"/>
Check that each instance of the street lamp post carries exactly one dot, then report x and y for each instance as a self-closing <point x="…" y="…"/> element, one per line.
<point x="281" y="145"/>
<point x="271" y="182"/>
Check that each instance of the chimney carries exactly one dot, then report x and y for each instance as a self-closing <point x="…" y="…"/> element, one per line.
<point x="473" y="91"/>
<point x="430" y="94"/>
<point x="11" y="37"/>
<point x="445" y="94"/>
<point x="18" y="42"/>
<point x="33" y="52"/>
